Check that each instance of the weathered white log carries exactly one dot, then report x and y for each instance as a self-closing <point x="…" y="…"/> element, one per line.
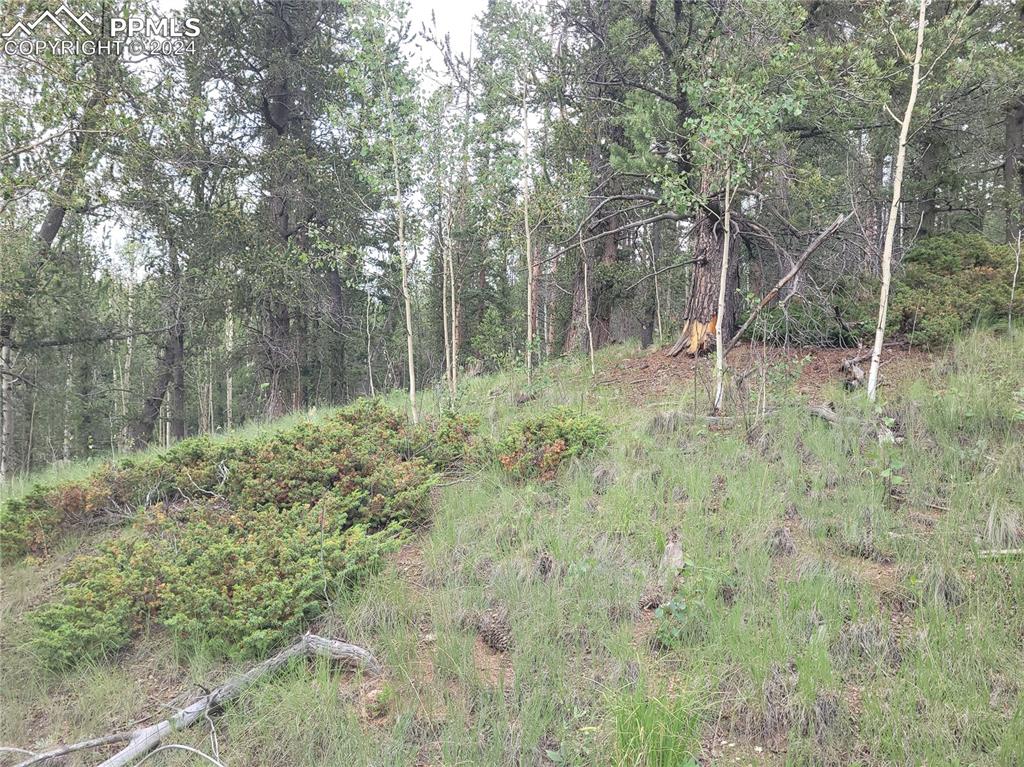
<point x="996" y="553"/>
<point x="145" y="739"/>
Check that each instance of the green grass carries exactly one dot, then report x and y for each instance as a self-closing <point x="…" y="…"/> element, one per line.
<point x="882" y="639"/>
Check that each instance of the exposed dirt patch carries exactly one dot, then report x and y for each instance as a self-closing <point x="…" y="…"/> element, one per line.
<point x="654" y="374"/>
<point x="494" y="667"/>
<point x="408" y="561"/>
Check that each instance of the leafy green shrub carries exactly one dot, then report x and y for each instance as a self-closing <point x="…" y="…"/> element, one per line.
<point x="356" y="448"/>
<point x="245" y="580"/>
<point x="452" y="441"/>
<point x="238" y="542"/>
<point x="684" y="619"/>
<point x="950" y="282"/>
<point x="537" y="446"/>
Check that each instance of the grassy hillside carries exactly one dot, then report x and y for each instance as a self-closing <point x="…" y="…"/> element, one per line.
<point x="827" y="599"/>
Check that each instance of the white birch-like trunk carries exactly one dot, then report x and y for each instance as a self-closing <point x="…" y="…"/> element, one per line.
<point x="399" y="202"/>
<point x="1013" y="285"/>
<point x="722" y="286"/>
<point x="894" y="209"/>
<point x="6" y="409"/>
<point x="446" y="328"/>
<point x="586" y="304"/>
<point x="454" y="311"/>
<point x="369" y="349"/>
<point x="229" y="382"/>
<point x="529" y="245"/>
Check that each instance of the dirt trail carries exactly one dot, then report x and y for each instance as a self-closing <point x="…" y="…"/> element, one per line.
<point x="653" y="375"/>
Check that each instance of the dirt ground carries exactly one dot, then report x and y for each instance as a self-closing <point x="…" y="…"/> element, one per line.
<point x="653" y="375"/>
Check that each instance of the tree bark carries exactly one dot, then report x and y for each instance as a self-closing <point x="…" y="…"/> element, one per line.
<point x="142" y="430"/>
<point x="406" y="296"/>
<point x="897" y="186"/>
<point x="6" y="403"/>
<point x="701" y="320"/>
<point x="531" y="315"/>
<point x="723" y="294"/>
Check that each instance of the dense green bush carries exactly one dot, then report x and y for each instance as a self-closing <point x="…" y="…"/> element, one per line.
<point x="950" y="282"/>
<point x="451" y="441"/>
<point x="355" y="448"/>
<point x="537" y="446"/>
<point x="239" y="542"/>
<point x="944" y="285"/>
<point x="245" y="580"/>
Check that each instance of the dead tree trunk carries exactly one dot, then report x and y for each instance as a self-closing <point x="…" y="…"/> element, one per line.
<point x="142" y="741"/>
<point x="897" y="186"/>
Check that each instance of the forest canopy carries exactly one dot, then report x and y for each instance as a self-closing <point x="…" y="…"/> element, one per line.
<point x="295" y="206"/>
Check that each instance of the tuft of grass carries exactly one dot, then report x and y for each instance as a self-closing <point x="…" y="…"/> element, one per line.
<point x="654" y="730"/>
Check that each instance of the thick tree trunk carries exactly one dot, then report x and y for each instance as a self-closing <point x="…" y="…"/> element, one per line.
<point x="142" y="430"/>
<point x="701" y="319"/>
<point x="576" y="331"/>
<point x="286" y="125"/>
<point x="277" y="345"/>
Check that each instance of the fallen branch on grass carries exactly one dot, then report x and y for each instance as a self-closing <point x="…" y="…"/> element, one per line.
<point x="669" y="420"/>
<point x="145" y="739"/>
<point x="997" y="553"/>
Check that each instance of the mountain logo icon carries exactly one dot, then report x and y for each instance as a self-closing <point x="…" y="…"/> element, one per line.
<point x="63" y="19"/>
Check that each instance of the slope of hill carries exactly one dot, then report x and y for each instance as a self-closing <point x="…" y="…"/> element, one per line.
<point x="570" y="572"/>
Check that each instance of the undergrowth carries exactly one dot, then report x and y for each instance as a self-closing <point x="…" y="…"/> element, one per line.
<point x="838" y="602"/>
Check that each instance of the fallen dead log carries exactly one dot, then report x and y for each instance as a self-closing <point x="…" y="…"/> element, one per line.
<point x="145" y="739"/>
<point x="670" y="420"/>
<point x="999" y="553"/>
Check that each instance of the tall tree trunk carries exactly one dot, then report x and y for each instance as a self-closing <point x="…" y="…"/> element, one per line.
<point x="406" y="296"/>
<point x="586" y="308"/>
<point x="286" y="126"/>
<point x="723" y="295"/>
<point x="142" y="429"/>
<point x="277" y="343"/>
<point x="531" y="315"/>
<point x="6" y="403"/>
<point x="177" y="363"/>
<point x="445" y="243"/>
<point x="890" y="229"/>
<point x="651" y="318"/>
<point x="701" y="320"/>
<point x="229" y="381"/>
